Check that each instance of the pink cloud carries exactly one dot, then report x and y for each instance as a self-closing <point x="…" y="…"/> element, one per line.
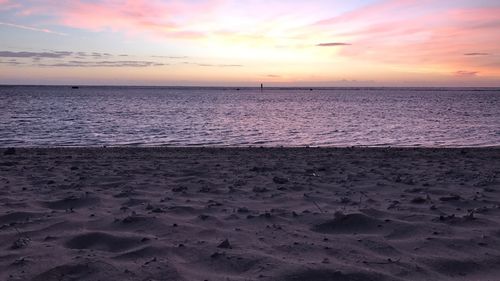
<point x="153" y="17"/>
<point x="417" y="33"/>
<point x="372" y="11"/>
<point x="112" y="15"/>
<point x="8" y="4"/>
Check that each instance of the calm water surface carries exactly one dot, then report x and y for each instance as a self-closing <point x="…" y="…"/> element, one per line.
<point x="114" y="116"/>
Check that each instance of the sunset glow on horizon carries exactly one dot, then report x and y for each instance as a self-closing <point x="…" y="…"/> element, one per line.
<point x="247" y="42"/>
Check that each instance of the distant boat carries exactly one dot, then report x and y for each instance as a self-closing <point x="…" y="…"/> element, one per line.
<point x="75" y="87"/>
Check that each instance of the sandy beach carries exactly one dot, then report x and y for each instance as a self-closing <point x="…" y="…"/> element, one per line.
<point x="286" y="214"/>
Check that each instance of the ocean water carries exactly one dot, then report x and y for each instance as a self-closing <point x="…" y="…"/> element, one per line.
<point x="39" y="116"/>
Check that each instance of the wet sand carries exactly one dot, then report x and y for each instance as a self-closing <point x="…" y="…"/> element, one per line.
<point x="286" y="214"/>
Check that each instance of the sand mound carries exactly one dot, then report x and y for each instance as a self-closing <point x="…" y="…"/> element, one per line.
<point x="332" y="275"/>
<point x="473" y="268"/>
<point x="18" y="217"/>
<point x="84" y="271"/>
<point x="102" y="242"/>
<point x="350" y="223"/>
<point x="72" y="202"/>
<point x="230" y="264"/>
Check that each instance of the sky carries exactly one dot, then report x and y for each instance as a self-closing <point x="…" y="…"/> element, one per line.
<point x="248" y="42"/>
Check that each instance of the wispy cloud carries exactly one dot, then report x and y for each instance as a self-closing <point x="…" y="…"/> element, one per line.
<point x="170" y="57"/>
<point x="464" y="73"/>
<point x="44" y="30"/>
<point x="399" y="33"/>
<point x="368" y="12"/>
<point x="73" y="59"/>
<point x="52" y="55"/>
<point x="169" y="19"/>
<point x="212" y="65"/>
<point x="477" y="54"/>
<point x="8" y="4"/>
<point x="333" y="44"/>
<point x="219" y="65"/>
<point x="11" y="62"/>
<point x="102" y="64"/>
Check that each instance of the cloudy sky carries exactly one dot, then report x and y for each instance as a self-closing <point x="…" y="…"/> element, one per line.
<point x="246" y="42"/>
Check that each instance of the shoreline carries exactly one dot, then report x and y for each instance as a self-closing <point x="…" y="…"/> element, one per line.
<point x="250" y="213"/>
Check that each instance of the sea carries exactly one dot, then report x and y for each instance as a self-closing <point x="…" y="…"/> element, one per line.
<point x="95" y="116"/>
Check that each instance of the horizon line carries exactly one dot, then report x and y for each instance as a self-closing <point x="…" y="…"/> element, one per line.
<point x="237" y="87"/>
